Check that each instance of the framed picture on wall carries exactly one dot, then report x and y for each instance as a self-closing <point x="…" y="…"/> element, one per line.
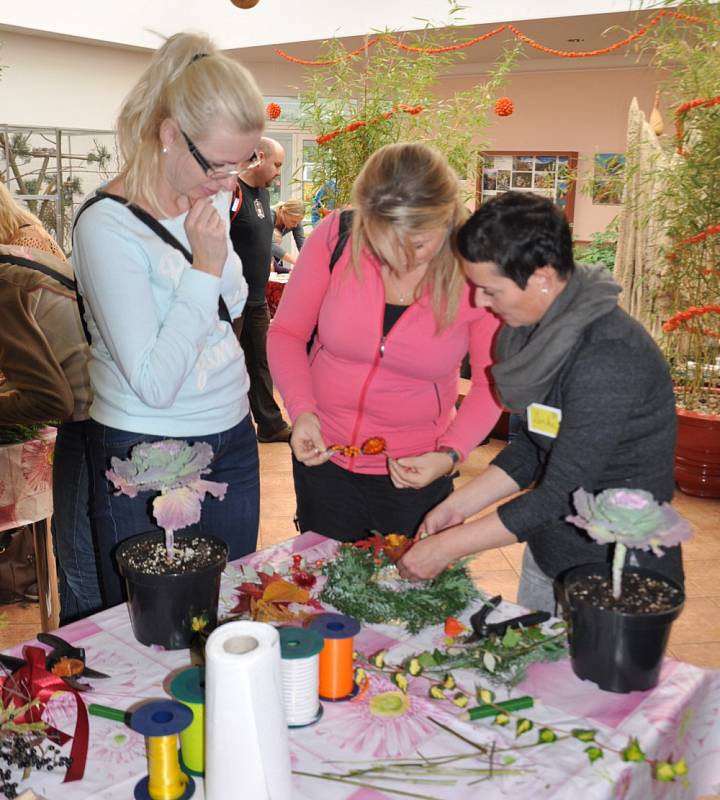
<point x="607" y="178"/>
<point x="550" y="173"/>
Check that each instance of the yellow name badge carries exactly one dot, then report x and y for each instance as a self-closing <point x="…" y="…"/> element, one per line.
<point x="544" y="419"/>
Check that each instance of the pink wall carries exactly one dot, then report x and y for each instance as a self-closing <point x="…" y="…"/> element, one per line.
<point x="583" y="110"/>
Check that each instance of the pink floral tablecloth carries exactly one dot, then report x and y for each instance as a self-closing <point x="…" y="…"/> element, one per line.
<point x="26" y="480"/>
<point x="680" y="718"/>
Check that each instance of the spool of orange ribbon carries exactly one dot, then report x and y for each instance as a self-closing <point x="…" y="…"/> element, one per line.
<point x="336" y="657"/>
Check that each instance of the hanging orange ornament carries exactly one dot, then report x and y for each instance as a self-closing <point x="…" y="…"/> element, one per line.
<point x="244" y="3"/>
<point x="273" y="110"/>
<point x="503" y="107"/>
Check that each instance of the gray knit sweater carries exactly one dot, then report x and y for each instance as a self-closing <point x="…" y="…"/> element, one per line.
<point x="618" y="429"/>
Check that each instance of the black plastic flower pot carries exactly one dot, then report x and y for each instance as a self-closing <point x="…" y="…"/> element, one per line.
<point x="169" y="609"/>
<point x="617" y="650"/>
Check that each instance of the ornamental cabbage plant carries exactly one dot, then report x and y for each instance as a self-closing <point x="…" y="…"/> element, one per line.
<point x="174" y="469"/>
<point x="628" y="518"/>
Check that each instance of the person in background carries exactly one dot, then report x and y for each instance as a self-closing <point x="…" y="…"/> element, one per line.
<point x="20" y="227"/>
<point x="323" y="202"/>
<point x="593" y="389"/>
<point x="44" y="355"/>
<point x="287" y="218"/>
<point x="394" y="319"/>
<point x="251" y="230"/>
<point x="164" y="360"/>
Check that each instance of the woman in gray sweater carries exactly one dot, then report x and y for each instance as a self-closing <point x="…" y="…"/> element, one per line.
<point x="593" y="390"/>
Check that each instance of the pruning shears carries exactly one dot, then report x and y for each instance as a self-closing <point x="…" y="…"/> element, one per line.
<point x="64" y="660"/>
<point x="482" y="628"/>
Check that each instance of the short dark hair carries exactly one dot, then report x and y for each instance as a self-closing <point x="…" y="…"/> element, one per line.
<point x="519" y="232"/>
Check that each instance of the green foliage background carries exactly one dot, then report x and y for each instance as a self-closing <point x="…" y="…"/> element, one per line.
<point x="690" y="200"/>
<point x="382" y="78"/>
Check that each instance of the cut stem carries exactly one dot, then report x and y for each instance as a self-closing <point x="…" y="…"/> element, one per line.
<point x="617" y="568"/>
<point x="170" y="544"/>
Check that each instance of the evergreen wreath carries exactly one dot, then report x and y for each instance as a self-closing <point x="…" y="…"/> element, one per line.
<point x="353" y="587"/>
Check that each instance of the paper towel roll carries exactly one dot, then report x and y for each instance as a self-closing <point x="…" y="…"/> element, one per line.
<point x="247" y="751"/>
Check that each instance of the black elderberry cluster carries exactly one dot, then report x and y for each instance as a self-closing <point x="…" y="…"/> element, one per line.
<point x="21" y="752"/>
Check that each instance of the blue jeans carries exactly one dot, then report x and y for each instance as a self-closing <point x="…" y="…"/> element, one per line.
<point x="71" y="530"/>
<point x="117" y="517"/>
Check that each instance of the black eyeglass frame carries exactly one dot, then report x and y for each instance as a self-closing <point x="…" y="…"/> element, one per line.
<point x="210" y="171"/>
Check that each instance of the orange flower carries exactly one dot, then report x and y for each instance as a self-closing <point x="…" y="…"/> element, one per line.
<point x="272" y="110"/>
<point x="453" y="627"/>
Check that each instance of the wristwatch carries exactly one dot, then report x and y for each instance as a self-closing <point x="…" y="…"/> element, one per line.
<point x="452" y="452"/>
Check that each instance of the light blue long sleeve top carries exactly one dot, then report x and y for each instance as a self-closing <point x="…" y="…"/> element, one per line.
<point x="161" y="360"/>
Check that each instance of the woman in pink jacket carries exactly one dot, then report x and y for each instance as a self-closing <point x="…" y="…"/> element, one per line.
<point x="391" y="321"/>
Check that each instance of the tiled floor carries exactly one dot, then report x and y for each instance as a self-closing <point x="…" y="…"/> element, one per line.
<point x="695" y="636"/>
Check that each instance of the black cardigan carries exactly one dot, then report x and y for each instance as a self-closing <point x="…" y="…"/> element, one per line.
<point x="618" y="429"/>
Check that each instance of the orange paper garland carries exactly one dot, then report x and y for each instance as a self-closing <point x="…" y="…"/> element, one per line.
<point x="361" y="123"/>
<point x="515" y="31"/>
<point x="683" y="109"/>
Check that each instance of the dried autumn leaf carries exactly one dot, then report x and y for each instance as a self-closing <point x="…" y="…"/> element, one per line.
<point x="281" y="591"/>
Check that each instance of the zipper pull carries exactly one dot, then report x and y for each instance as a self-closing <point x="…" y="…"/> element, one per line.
<point x="382" y="346"/>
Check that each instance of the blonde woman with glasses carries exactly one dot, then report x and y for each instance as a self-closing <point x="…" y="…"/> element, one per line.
<point x="390" y="325"/>
<point x="160" y="285"/>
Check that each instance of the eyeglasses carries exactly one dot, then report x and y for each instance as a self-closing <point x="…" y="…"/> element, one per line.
<point x="210" y="171"/>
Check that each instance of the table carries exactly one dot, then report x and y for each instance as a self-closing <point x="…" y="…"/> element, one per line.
<point x="680" y="717"/>
<point x="274" y="290"/>
<point x="26" y="499"/>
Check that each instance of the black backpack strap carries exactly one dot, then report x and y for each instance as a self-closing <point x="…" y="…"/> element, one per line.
<point x="18" y="261"/>
<point x="157" y="228"/>
<point x="344" y="230"/>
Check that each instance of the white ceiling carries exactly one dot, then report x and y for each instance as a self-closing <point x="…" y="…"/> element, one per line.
<point x="142" y="23"/>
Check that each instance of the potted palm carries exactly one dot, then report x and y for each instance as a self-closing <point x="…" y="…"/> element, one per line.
<point x="173" y="582"/>
<point x="619" y="617"/>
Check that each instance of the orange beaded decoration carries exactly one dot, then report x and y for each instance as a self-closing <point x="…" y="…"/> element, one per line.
<point x="504" y="107"/>
<point x="272" y="110"/>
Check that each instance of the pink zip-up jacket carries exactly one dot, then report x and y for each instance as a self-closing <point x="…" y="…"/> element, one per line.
<point x="403" y="386"/>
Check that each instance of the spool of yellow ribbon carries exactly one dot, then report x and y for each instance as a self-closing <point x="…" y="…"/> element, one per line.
<point x="160" y="721"/>
<point x="188" y="688"/>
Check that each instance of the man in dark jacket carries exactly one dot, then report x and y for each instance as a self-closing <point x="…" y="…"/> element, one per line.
<point x="251" y="231"/>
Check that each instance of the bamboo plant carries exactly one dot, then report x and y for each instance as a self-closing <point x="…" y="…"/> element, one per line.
<point x="386" y="93"/>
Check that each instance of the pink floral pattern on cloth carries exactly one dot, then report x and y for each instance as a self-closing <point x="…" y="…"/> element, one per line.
<point x="37" y="458"/>
<point x="26" y="480"/>
<point x="384" y="723"/>
<point x="679" y="718"/>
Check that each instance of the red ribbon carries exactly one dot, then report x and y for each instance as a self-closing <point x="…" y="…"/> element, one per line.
<point x="33" y="682"/>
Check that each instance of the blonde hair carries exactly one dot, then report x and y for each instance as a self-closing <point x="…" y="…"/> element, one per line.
<point x="13" y="216"/>
<point x="192" y="82"/>
<point x="406" y="189"/>
<point x="295" y="208"/>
